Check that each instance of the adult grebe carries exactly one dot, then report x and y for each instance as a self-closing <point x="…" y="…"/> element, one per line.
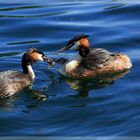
<point x="91" y="62"/>
<point x="12" y="82"/>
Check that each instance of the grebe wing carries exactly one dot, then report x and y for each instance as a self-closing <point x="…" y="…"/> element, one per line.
<point x="10" y="76"/>
<point x="12" y="82"/>
<point x="96" y="58"/>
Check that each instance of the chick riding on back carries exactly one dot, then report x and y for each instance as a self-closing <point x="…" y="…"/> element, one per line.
<point x="91" y="62"/>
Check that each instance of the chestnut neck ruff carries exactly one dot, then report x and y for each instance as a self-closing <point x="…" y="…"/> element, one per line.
<point x="83" y="51"/>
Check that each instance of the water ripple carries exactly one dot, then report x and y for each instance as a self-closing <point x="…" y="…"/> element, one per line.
<point x="73" y="107"/>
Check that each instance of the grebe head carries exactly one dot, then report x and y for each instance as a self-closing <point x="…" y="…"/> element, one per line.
<point x="34" y="55"/>
<point x="78" y="42"/>
<point x="30" y="57"/>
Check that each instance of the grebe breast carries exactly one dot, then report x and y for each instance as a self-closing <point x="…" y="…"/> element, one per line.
<point x="12" y="82"/>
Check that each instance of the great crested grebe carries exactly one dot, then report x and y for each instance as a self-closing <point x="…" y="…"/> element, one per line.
<point x="12" y="82"/>
<point x="91" y="62"/>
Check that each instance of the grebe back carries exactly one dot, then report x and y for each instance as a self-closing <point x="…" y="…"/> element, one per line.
<point x="12" y="82"/>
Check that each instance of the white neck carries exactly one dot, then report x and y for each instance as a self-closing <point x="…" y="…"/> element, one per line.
<point x="71" y="65"/>
<point x="31" y="72"/>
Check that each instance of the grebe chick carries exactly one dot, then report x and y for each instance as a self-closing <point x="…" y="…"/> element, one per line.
<point x="91" y="62"/>
<point x="12" y="82"/>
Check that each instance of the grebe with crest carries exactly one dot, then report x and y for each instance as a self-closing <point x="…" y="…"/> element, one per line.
<point x="12" y="82"/>
<point x="91" y="62"/>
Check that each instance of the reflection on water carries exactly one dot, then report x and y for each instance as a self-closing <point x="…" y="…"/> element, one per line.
<point x="32" y="99"/>
<point x="9" y="54"/>
<point x="32" y="16"/>
<point x="84" y="86"/>
<point x="19" y="8"/>
<point x="115" y="7"/>
<point x="58" y="106"/>
<point x="8" y="104"/>
<point x="25" y="42"/>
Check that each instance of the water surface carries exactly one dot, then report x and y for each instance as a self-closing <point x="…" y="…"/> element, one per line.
<point x="72" y="108"/>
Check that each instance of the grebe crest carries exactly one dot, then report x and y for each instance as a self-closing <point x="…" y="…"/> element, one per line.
<point x="12" y="82"/>
<point x="92" y="61"/>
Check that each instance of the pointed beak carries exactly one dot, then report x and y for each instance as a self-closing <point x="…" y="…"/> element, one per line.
<point x="67" y="47"/>
<point x="48" y="60"/>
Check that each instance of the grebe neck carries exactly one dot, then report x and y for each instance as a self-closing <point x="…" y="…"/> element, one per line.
<point x="26" y="66"/>
<point x="83" y="51"/>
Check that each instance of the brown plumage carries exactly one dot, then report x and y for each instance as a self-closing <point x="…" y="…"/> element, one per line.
<point x="12" y="82"/>
<point x="92" y="62"/>
<point x="117" y="64"/>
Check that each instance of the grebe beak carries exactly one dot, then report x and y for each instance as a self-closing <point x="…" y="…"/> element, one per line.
<point x="67" y="47"/>
<point x="48" y="60"/>
<point x="73" y="43"/>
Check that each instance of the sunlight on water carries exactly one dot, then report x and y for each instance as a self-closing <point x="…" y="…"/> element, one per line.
<point x="58" y="106"/>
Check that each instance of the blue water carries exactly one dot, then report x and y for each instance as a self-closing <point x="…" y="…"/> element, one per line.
<point x="72" y="107"/>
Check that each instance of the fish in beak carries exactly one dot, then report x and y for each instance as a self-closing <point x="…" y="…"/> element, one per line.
<point x="50" y="61"/>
